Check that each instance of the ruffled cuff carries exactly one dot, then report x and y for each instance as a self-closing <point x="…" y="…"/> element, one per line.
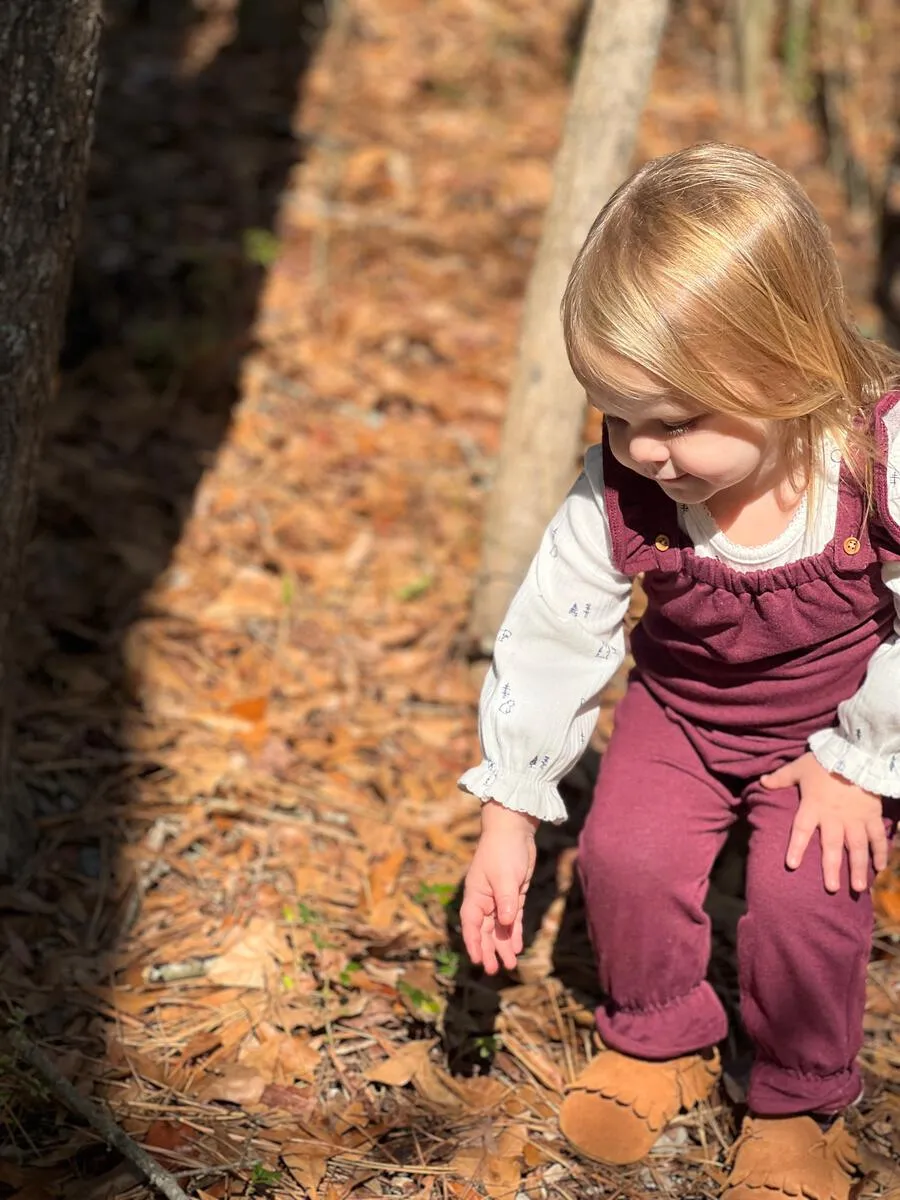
<point x="521" y="793"/>
<point x="877" y="773"/>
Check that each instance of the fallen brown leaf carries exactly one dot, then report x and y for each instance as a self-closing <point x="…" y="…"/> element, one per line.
<point x="238" y="1085"/>
<point x="383" y="876"/>
<point x="401" y="1067"/>
<point x="302" y="1101"/>
<point x="253" y="960"/>
<point x="282" y="1058"/>
<point x="307" y="1166"/>
<point x="496" y="1163"/>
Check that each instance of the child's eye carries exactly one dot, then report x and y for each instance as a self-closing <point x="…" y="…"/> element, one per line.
<point x="676" y="429"/>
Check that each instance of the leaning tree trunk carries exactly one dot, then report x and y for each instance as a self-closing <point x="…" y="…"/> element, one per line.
<point x="48" y="69"/>
<point x="546" y="408"/>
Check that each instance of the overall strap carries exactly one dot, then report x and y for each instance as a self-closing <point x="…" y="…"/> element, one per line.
<point x="643" y="521"/>
<point x="887" y="480"/>
<point x="852" y="547"/>
<point x="866" y="531"/>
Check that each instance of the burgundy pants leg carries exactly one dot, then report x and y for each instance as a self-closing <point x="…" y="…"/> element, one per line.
<point x="657" y="822"/>
<point x="803" y="955"/>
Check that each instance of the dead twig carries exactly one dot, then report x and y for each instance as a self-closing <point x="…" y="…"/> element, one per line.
<point x="96" y="1117"/>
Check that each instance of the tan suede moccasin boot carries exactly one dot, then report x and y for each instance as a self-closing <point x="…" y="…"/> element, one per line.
<point x="789" y="1157"/>
<point x="618" y="1106"/>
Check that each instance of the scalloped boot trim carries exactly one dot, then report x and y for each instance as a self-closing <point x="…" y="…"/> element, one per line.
<point x="618" y="1106"/>
<point x="792" y="1157"/>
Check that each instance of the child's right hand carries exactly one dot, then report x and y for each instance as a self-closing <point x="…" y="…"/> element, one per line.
<point x="494" y="899"/>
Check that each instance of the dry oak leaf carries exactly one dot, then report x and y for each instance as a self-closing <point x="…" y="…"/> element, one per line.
<point x="383" y="876"/>
<point x="197" y="770"/>
<point x="412" y="1064"/>
<point x="307" y="1163"/>
<point x="252" y="592"/>
<point x="497" y="1164"/>
<point x="282" y="1059"/>
<point x="479" y="1092"/>
<point x="886" y="892"/>
<point x="252" y="961"/>
<point x="438" y="1087"/>
<point x="401" y="1067"/>
<point x="238" y="1085"/>
<point x="302" y="1102"/>
<point x="169" y="1135"/>
<point x="252" y="711"/>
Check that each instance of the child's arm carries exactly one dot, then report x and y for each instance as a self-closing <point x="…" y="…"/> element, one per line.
<point x="559" y="645"/>
<point x="496" y="884"/>
<point x="850" y="768"/>
<point x="854" y="764"/>
<point x="864" y="747"/>
<point x="848" y="818"/>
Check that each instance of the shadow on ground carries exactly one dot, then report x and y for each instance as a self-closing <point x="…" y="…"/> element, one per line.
<point x="194" y="145"/>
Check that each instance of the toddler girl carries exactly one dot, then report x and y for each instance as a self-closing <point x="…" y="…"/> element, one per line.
<point x="750" y="472"/>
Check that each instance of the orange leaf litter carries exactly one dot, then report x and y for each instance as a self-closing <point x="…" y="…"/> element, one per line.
<point x="239" y="930"/>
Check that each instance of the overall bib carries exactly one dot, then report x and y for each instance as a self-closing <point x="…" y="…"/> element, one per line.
<point x="733" y="672"/>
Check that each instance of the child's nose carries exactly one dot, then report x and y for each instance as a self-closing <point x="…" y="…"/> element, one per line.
<point x="648" y="451"/>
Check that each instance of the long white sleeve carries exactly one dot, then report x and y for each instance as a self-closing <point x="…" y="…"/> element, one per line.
<point x="559" y="646"/>
<point x="864" y="747"/>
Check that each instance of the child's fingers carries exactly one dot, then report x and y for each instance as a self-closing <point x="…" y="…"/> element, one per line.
<point x="857" y="842"/>
<point x="506" y="941"/>
<point x="832" y="839"/>
<point x="506" y="899"/>
<point x="472" y="941"/>
<point x="475" y="908"/>
<point x="505" y="910"/>
<point x="504" y="947"/>
<point x="783" y="777"/>
<point x="470" y="927"/>
<point x="488" y="947"/>
<point x="510" y="939"/>
<point x="518" y="938"/>
<point x="487" y="942"/>
<point x="879" y="842"/>
<point x="802" y="830"/>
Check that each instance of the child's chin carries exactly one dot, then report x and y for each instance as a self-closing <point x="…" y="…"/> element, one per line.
<point x="684" y="483"/>
<point x="688" y="490"/>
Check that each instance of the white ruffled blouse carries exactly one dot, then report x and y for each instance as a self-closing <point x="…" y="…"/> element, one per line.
<point x="532" y="723"/>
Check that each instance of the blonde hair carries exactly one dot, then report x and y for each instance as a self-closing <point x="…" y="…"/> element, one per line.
<point x="711" y="266"/>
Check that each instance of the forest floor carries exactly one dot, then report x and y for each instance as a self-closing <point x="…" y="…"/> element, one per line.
<point x="292" y="331"/>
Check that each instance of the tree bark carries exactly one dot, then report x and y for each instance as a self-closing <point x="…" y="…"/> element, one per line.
<point x="754" y="27"/>
<point x="48" y="68"/>
<point x="545" y="417"/>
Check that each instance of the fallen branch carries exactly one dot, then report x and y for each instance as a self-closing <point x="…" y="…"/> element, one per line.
<point x="96" y="1117"/>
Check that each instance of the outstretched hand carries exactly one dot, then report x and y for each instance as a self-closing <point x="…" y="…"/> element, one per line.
<point x="494" y="900"/>
<point x="846" y="816"/>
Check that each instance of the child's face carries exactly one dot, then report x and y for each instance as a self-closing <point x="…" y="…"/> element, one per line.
<point x="692" y="455"/>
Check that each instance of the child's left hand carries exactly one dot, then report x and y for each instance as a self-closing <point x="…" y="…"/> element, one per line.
<point x="844" y="814"/>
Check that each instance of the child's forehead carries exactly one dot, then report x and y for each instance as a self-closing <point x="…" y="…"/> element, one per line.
<point x="621" y="387"/>
<point x="659" y="405"/>
<point x="629" y="378"/>
<point x="625" y="389"/>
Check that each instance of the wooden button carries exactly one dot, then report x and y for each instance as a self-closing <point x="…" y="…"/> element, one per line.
<point x="662" y="542"/>
<point x="851" y="545"/>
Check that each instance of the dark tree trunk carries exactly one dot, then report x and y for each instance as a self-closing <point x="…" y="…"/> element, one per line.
<point x="48" y="72"/>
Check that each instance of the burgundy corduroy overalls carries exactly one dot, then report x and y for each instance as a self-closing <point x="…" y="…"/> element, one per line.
<point x="734" y="671"/>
